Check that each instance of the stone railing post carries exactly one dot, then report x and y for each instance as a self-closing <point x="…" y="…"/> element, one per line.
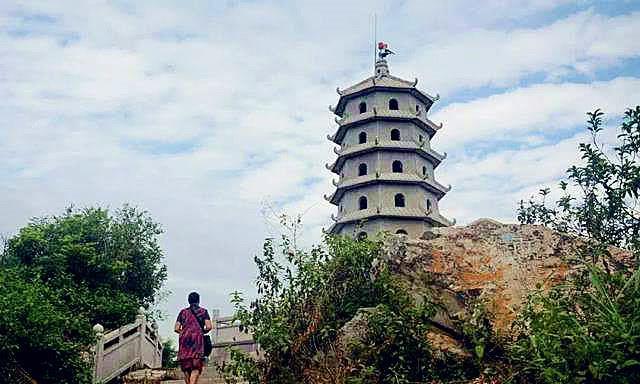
<point x="99" y="352"/>
<point x="141" y="320"/>
<point x="157" y="347"/>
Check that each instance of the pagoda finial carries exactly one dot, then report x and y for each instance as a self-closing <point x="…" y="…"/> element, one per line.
<point x="382" y="69"/>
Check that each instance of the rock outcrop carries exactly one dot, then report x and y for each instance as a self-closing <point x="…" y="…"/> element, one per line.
<point x="486" y="262"/>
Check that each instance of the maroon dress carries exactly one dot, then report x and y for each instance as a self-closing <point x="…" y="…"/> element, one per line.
<point x="191" y="344"/>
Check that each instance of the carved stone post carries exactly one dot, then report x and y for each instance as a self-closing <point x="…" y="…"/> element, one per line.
<point x="99" y="352"/>
<point x="141" y="320"/>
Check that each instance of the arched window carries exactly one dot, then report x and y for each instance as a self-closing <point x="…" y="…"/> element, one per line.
<point x="399" y="200"/>
<point x="362" y="202"/>
<point x="428" y="205"/>
<point x="396" y="166"/>
<point x="362" y="107"/>
<point x="395" y="134"/>
<point x="420" y="138"/>
<point x="362" y="236"/>
<point x="362" y="138"/>
<point x="417" y="107"/>
<point x="424" y="171"/>
<point x="362" y="169"/>
<point x="401" y="232"/>
<point x="393" y="104"/>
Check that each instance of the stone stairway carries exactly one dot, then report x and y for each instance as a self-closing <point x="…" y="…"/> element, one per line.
<point x="172" y="376"/>
<point x="209" y="376"/>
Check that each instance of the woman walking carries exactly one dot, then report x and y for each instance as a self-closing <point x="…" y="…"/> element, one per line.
<point x="192" y="324"/>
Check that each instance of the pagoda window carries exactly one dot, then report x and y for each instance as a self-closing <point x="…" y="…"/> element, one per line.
<point x="395" y="134"/>
<point x="417" y="107"/>
<point x="362" y="138"/>
<point x="420" y="138"/>
<point x="362" y="107"/>
<point x="399" y="200"/>
<point x="393" y="104"/>
<point x="401" y="232"/>
<point x="396" y="166"/>
<point x="362" y="169"/>
<point x="428" y="205"/>
<point x="424" y="171"/>
<point x="362" y="202"/>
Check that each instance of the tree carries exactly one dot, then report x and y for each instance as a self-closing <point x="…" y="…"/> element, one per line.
<point x="83" y="267"/>
<point x="588" y="330"/>
<point x="602" y="203"/>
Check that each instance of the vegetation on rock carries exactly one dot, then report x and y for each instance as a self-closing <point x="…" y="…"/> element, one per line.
<point x="336" y="314"/>
<point x="588" y="330"/>
<point x="61" y="275"/>
<point x="306" y="302"/>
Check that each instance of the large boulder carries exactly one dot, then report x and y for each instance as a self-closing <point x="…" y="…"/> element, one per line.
<point x="487" y="261"/>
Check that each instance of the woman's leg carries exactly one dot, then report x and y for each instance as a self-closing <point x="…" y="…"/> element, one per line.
<point x="186" y="377"/>
<point x="195" y="374"/>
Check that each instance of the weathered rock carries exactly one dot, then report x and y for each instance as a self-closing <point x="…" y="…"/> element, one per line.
<point x="497" y="263"/>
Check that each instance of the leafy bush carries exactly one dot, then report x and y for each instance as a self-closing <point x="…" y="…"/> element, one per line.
<point x="305" y="298"/>
<point x="169" y="354"/>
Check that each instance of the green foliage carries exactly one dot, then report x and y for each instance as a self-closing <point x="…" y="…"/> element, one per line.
<point x="169" y="354"/>
<point x="241" y="367"/>
<point x="588" y="330"/>
<point x="40" y="332"/>
<point x="305" y="298"/>
<point x="600" y="198"/>
<point x="585" y="337"/>
<point x="66" y="273"/>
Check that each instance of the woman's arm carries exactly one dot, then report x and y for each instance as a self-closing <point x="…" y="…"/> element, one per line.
<point x="207" y="325"/>
<point x="177" y="328"/>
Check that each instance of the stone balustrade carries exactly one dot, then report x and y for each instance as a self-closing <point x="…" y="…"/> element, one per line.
<point x="135" y="345"/>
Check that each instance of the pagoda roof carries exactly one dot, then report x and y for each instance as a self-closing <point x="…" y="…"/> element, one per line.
<point x="400" y="146"/>
<point x="382" y="83"/>
<point x="419" y="118"/>
<point x="387" y="178"/>
<point x="390" y="212"/>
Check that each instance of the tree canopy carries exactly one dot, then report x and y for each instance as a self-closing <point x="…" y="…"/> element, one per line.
<point x="62" y="274"/>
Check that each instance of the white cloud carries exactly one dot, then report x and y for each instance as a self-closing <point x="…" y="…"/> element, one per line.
<point x="198" y="113"/>
<point x="541" y="109"/>
<point x="580" y="43"/>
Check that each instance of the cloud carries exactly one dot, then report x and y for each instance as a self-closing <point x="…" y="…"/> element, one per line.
<point x="581" y="43"/>
<point x="541" y="109"/>
<point x="198" y="113"/>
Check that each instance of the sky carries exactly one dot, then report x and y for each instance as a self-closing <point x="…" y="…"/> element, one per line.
<point x="204" y="113"/>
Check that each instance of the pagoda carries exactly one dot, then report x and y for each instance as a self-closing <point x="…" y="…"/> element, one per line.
<point x="385" y="161"/>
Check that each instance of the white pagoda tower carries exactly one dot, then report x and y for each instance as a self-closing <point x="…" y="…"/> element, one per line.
<point x="385" y="161"/>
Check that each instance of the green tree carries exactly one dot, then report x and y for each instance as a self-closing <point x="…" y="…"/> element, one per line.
<point x="66" y="273"/>
<point x="588" y="330"/>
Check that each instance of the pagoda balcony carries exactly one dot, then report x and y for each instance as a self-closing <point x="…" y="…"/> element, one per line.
<point x="420" y="213"/>
<point x="391" y="178"/>
<point x="419" y="118"/>
<point x="422" y="148"/>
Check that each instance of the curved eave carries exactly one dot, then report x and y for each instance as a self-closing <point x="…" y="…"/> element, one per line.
<point x="429" y="154"/>
<point x="429" y="126"/>
<point x="429" y="185"/>
<point x="435" y="219"/>
<point x="428" y="100"/>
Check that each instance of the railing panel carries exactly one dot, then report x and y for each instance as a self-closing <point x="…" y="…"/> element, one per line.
<point x="135" y="344"/>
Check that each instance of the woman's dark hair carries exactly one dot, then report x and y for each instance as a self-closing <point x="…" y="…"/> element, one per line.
<point x="194" y="298"/>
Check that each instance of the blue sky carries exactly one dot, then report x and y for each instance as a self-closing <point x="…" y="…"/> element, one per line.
<point x="203" y="112"/>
